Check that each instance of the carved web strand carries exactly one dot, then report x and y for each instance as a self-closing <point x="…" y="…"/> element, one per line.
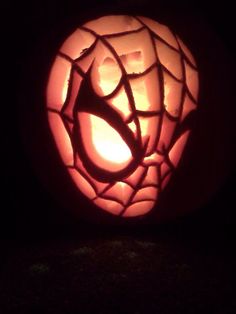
<point x="87" y="51"/>
<point x="134" y="192"/>
<point x="161" y="90"/>
<point x="164" y="69"/>
<point x="74" y="67"/>
<point x="121" y="34"/>
<point x="73" y="63"/>
<point x="110" y="185"/>
<point x="112" y="198"/>
<point x="136" y="189"/>
<point x="85" y="176"/>
<point x="153" y="34"/>
<point x="115" y="91"/>
<point x="53" y="110"/>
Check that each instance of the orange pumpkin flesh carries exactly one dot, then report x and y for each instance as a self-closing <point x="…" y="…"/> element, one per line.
<point x="119" y="96"/>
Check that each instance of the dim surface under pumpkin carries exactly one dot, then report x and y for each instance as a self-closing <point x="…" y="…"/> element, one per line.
<point x="119" y="96"/>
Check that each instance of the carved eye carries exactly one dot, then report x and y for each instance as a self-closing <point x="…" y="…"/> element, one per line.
<point x="103" y="143"/>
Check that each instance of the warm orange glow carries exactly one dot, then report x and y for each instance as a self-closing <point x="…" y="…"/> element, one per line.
<point x="139" y="208"/>
<point x="62" y="138"/>
<point x="108" y="142"/>
<point x="121" y="104"/>
<point x="120" y="191"/>
<point x="103" y="143"/>
<point x="58" y="83"/>
<point x="143" y="80"/>
<point x="82" y="184"/>
<point x="109" y="75"/>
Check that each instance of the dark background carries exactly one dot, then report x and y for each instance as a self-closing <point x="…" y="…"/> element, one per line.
<point x="31" y="214"/>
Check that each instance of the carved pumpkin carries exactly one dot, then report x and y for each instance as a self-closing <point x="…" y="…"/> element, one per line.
<point x="119" y="98"/>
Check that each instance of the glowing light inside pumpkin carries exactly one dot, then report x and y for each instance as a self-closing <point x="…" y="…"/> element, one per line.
<point x="145" y="74"/>
<point x="108" y="142"/>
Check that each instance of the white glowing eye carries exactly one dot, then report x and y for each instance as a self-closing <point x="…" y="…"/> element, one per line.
<point x="103" y="144"/>
<point x="107" y="142"/>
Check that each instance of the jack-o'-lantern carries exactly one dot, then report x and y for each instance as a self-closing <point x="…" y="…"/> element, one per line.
<point x="119" y="96"/>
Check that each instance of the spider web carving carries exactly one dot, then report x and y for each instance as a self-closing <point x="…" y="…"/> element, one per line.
<point x="134" y="189"/>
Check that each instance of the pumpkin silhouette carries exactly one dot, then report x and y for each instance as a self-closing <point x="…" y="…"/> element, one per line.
<point x="121" y="96"/>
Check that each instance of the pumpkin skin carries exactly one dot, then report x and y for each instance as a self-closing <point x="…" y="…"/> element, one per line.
<point x="120" y="96"/>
